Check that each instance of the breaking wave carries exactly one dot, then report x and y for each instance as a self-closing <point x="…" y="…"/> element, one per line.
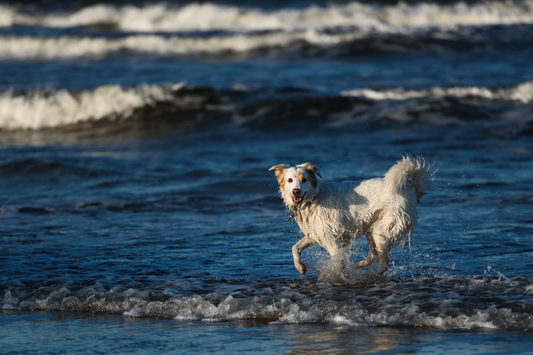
<point x="26" y="47"/>
<point x="308" y="42"/>
<point x="208" y="16"/>
<point x="206" y="29"/>
<point x="522" y="93"/>
<point x="47" y="109"/>
<point x="37" y="110"/>
<point x="444" y="304"/>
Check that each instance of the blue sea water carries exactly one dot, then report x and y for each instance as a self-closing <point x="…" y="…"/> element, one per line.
<point x="138" y="213"/>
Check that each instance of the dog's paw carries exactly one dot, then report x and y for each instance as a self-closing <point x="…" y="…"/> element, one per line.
<point x="302" y="268"/>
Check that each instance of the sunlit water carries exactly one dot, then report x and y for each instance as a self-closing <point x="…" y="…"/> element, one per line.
<point x="138" y="209"/>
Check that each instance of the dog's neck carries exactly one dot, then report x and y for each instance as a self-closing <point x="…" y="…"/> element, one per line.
<point x="292" y="212"/>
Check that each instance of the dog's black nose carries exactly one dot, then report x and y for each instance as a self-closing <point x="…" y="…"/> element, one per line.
<point x="296" y="192"/>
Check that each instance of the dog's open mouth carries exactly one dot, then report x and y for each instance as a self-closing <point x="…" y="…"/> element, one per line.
<point x="298" y="199"/>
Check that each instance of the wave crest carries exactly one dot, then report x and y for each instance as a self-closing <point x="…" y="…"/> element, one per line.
<point x="26" y="47"/>
<point x="41" y="110"/>
<point x="378" y="305"/>
<point x="522" y="93"/>
<point x="37" y="110"/>
<point x="208" y="16"/>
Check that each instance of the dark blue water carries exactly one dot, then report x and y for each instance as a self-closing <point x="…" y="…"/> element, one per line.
<point x="135" y="143"/>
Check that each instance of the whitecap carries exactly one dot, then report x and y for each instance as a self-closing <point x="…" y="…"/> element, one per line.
<point x="345" y="311"/>
<point x="522" y="93"/>
<point x="67" y="47"/>
<point x="42" y="109"/>
<point x="209" y="16"/>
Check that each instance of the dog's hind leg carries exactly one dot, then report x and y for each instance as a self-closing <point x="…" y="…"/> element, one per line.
<point x="383" y="262"/>
<point x="297" y="252"/>
<point x="372" y="253"/>
<point x="383" y="247"/>
<point x="385" y="234"/>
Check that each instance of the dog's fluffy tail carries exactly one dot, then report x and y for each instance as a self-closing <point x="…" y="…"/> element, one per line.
<point x="415" y="168"/>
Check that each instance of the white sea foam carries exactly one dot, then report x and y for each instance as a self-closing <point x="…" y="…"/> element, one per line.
<point x="209" y="16"/>
<point x="36" y="110"/>
<point x="26" y="47"/>
<point x="289" y="305"/>
<point x="40" y="110"/>
<point x="522" y="93"/>
<point x="287" y="27"/>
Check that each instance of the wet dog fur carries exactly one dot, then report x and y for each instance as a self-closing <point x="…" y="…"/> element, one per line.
<point x="333" y="215"/>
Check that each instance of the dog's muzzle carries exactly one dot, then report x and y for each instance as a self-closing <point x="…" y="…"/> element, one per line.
<point x="296" y="198"/>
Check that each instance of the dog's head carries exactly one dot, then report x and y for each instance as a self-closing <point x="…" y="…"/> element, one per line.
<point x="297" y="184"/>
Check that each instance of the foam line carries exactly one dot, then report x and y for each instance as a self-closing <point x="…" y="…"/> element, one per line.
<point x="26" y="47"/>
<point x="41" y="110"/>
<point x="522" y="93"/>
<point x="36" y="110"/>
<point x="208" y="17"/>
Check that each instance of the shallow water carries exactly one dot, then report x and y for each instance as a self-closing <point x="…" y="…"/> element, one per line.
<point x="136" y="196"/>
<point x="60" y="332"/>
<point x="200" y="233"/>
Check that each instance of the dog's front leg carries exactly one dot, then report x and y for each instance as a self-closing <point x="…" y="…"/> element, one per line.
<point x="297" y="252"/>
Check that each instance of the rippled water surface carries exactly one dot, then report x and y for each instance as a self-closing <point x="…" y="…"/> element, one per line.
<point x="137" y="206"/>
<point x="143" y="335"/>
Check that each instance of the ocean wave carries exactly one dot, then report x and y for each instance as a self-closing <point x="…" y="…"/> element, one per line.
<point x="47" y="109"/>
<point x="310" y="42"/>
<point x="522" y="93"/>
<point x="161" y="17"/>
<point x="378" y="305"/>
<point x="26" y="47"/>
<point x="37" y="110"/>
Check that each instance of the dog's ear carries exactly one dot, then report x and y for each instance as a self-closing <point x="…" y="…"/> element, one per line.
<point x="311" y="168"/>
<point x="280" y="172"/>
<point x="311" y="171"/>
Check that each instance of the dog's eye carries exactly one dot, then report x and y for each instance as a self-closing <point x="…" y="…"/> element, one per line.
<point x="304" y="180"/>
<point x="289" y="181"/>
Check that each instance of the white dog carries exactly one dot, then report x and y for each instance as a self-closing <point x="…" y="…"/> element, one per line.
<point x="334" y="214"/>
